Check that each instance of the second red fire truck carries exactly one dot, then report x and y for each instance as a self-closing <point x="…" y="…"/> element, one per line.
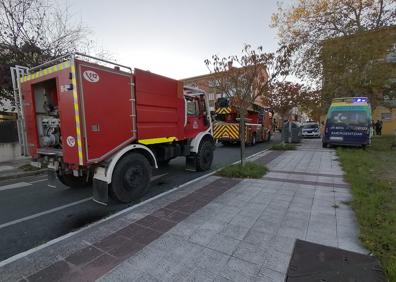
<point x="258" y="123"/>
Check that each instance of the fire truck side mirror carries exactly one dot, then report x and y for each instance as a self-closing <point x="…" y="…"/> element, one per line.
<point x="213" y="115"/>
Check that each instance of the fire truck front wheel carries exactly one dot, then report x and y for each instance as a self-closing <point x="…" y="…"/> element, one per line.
<point x="131" y="178"/>
<point x="204" y="157"/>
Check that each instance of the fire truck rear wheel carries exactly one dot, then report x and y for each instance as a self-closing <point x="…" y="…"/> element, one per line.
<point x="74" y="181"/>
<point x="204" y="156"/>
<point x="131" y="178"/>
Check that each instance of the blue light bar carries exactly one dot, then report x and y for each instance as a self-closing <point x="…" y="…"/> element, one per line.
<point x="359" y="100"/>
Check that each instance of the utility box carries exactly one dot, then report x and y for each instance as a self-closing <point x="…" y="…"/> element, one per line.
<point x="292" y="132"/>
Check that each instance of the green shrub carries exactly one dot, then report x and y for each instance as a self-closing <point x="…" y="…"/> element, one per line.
<point x="249" y="170"/>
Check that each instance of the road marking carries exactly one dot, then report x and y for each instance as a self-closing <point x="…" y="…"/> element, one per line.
<point x="45" y="179"/>
<point x="70" y="234"/>
<point x="157" y="177"/>
<point x="14" y="185"/>
<point x="43" y="213"/>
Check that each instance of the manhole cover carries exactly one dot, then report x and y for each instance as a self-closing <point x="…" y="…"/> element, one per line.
<point x="315" y="262"/>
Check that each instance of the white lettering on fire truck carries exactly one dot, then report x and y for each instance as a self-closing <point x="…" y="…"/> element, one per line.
<point x="71" y="141"/>
<point x="91" y="76"/>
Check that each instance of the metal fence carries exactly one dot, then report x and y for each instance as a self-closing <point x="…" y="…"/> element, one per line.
<point x="8" y="131"/>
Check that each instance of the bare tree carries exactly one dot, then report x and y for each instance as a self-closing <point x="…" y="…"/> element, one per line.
<point x="248" y="76"/>
<point x="33" y="31"/>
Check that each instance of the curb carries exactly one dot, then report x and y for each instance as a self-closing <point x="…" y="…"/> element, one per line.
<point x="23" y="174"/>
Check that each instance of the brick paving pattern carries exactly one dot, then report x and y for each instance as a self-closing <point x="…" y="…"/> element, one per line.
<point x="92" y="262"/>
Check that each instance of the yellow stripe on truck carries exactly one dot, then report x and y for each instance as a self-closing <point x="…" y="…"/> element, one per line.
<point x="76" y="114"/>
<point x="225" y="110"/>
<point x="157" y="140"/>
<point x="46" y="71"/>
<point x="228" y="131"/>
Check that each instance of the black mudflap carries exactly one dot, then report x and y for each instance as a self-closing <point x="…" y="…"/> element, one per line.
<point x="100" y="191"/>
<point x="315" y="262"/>
<point x="191" y="163"/>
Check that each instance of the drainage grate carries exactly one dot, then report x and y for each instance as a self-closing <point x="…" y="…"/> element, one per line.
<point x="319" y="263"/>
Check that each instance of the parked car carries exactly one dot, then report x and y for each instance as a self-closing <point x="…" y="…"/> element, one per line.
<point x="311" y="129"/>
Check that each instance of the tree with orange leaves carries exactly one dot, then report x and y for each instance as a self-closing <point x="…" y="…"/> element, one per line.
<point x="308" y="23"/>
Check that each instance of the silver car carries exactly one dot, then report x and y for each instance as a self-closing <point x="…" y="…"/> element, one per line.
<point x="311" y="129"/>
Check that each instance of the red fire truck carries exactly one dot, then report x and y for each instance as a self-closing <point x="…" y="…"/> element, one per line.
<point x="258" y="123"/>
<point x="95" y="121"/>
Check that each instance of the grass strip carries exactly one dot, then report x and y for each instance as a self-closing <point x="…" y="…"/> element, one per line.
<point x="372" y="174"/>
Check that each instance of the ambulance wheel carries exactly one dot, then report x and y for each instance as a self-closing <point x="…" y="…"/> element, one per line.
<point x="204" y="156"/>
<point x="131" y="178"/>
<point x="74" y="181"/>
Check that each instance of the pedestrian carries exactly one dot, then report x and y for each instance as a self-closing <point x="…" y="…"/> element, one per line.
<point x="372" y="126"/>
<point x="378" y="127"/>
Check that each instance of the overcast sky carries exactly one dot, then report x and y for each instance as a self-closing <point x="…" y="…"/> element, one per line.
<point x="174" y="37"/>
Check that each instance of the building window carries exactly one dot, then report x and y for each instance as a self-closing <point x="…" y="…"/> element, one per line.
<point x="386" y="116"/>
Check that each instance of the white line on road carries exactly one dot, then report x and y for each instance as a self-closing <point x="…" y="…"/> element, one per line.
<point x="158" y="176"/>
<point x="41" y="180"/>
<point x="43" y="213"/>
<point x="14" y="185"/>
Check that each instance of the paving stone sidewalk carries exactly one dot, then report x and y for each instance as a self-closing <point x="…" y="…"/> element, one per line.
<point x="214" y="230"/>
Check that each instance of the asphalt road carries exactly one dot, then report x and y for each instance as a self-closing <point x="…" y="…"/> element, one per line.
<point x="32" y="213"/>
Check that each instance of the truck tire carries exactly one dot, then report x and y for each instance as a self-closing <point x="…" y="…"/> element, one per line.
<point x="74" y="181"/>
<point x="131" y="178"/>
<point x="204" y="156"/>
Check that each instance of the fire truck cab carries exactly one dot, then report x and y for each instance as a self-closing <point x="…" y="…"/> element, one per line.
<point x="98" y="122"/>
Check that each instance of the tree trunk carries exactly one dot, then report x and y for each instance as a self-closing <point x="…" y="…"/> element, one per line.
<point x="242" y="137"/>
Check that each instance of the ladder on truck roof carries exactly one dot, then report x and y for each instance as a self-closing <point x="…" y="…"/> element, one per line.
<point x="16" y="73"/>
